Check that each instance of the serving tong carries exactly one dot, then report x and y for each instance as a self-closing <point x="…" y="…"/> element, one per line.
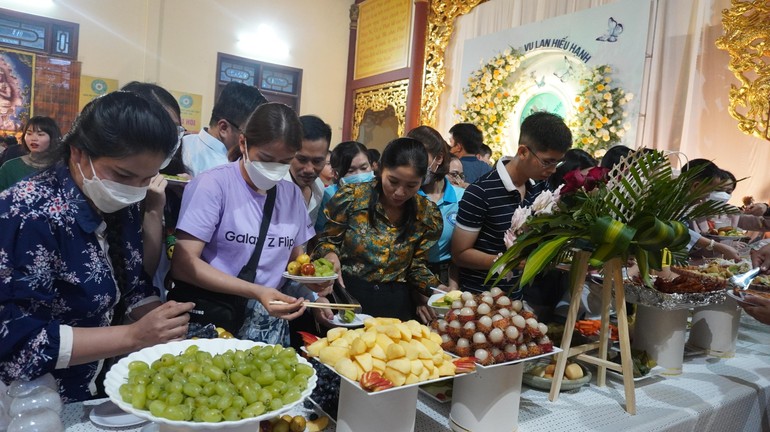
<point x="743" y="281"/>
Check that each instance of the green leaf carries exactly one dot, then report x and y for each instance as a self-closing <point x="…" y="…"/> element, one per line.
<point x="538" y="259"/>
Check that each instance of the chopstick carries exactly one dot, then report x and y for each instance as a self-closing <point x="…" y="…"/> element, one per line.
<point x="321" y="305"/>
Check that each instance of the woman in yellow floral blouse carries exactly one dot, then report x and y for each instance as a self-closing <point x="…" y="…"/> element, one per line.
<point x="381" y="231"/>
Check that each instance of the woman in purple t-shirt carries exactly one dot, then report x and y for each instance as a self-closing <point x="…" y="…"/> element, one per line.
<point x="221" y="215"/>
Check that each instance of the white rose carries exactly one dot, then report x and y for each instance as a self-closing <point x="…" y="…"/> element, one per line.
<point x="519" y="218"/>
<point x="544" y="203"/>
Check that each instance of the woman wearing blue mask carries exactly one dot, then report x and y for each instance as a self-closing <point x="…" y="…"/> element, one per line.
<point x="71" y="250"/>
<point x="350" y="163"/>
<point x="379" y="234"/>
<point x="220" y="220"/>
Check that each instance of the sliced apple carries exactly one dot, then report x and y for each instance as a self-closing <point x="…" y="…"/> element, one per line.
<point x="395" y="351"/>
<point x="365" y="360"/>
<point x="402" y="365"/>
<point x="347" y="368"/>
<point x="335" y="333"/>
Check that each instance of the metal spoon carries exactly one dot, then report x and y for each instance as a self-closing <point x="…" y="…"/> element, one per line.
<point x="742" y="281"/>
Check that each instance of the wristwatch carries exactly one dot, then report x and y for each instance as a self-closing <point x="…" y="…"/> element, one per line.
<point x="710" y="246"/>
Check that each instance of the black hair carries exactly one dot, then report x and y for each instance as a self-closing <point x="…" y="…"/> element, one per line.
<point x="613" y="156"/>
<point x="435" y="145"/>
<point x="269" y="123"/>
<point x="398" y="153"/>
<point x="157" y="93"/>
<point x="708" y="172"/>
<point x="236" y="102"/>
<point x="343" y="155"/>
<point x="485" y="150"/>
<point x="313" y="128"/>
<point x="154" y="92"/>
<point x="468" y="136"/>
<point x="49" y="126"/>
<point x="121" y="124"/>
<point x="544" y="132"/>
<point x="573" y="159"/>
<point x="374" y="155"/>
<point x="728" y="177"/>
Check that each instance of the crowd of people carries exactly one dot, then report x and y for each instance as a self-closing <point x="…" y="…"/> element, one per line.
<point x="102" y="254"/>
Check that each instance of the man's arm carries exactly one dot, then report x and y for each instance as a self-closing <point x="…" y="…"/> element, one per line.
<point x="465" y="255"/>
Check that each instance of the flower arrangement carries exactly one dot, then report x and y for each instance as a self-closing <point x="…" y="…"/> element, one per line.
<point x="600" y="120"/>
<point x="636" y="209"/>
<point x="488" y="102"/>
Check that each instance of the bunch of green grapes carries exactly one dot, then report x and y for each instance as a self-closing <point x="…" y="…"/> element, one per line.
<point x="200" y="387"/>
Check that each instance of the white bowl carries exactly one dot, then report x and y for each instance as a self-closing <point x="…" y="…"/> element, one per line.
<point x="118" y="375"/>
<point x="440" y="310"/>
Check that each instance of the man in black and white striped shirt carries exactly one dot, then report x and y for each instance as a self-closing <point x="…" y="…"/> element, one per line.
<point x="487" y="206"/>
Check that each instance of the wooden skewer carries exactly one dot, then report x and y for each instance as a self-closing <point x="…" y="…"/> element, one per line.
<point x="321" y="305"/>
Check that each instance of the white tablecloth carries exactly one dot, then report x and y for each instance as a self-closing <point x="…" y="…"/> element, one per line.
<point x="712" y="394"/>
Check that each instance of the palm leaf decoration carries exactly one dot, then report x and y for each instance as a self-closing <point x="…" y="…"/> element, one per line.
<point x="640" y="210"/>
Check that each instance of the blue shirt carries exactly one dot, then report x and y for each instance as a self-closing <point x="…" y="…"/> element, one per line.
<point x="448" y="204"/>
<point x="487" y="207"/>
<point x="321" y="219"/>
<point x="54" y="275"/>
<point x="202" y="152"/>
<point x="473" y="168"/>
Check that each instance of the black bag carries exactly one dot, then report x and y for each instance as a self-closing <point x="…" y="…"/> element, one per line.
<point x="225" y="310"/>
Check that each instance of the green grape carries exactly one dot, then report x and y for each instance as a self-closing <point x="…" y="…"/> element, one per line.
<point x="125" y="392"/>
<point x="160" y="379"/>
<point x="191" y="389"/>
<point x="287" y="353"/>
<point x="211" y="415"/>
<point x="139" y="396"/>
<point x="174" y="412"/>
<point x="209" y="389"/>
<point x="192" y="349"/>
<point x="174" y="398"/>
<point x="237" y="379"/>
<point x="197" y="378"/>
<point x="279" y="386"/>
<point x="157" y="408"/>
<point x="299" y="381"/>
<point x="245" y="368"/>
<point x="304" y="370"/>
<point x="221" y="388"/>
<point x="266" y="378"/>
<point x="153" y="391"/>
<point x="137" y="366"/>
<point x="292" y="395"/>
<point x="213" y="400"/>
<point x="203" y="357"/>
<point x="253" y="410"/>
<point x="265" y="352"/>
<point x="213" y="372"/>
<point x="219" y="361"/>
<point x="175" y="386"/>
<point x="224" y="402"/>
<point x="201" y="401"/>
<point x="156" y="365"/>
<point x="276" y="404"/>
<point x="239" y="402"/>
<point x="191" y="368"/>
<point x="264" y="396"/>
<point x="231" y="414"/>
<point x="249" y="394"/>
<point x="168" y="359"/>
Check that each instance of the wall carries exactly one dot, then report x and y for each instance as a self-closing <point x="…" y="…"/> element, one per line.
<point x="175" y="43"/>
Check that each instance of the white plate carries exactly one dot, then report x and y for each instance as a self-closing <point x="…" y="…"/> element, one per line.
<point x="309" y="279"/>
<point x="176" y="181"/>
<point x="358" y="321"/>
<point x="118" y="375"/>
<point x="738" y="297"/>
<point x="108" y="414"/>
<point x="540" y="383"/>
<point x="654" y="372"/>
<point x="439" y="309"/>
<point x="434" y="390"/>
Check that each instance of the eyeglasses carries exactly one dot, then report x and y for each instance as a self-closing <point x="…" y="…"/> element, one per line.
<point x="554" y="164"/>
<point x="457" y="174"/>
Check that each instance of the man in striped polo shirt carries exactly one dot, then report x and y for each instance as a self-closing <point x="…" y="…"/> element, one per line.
<point x="487" y="206"/>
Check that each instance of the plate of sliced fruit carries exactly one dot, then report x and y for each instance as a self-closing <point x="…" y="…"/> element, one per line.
<point x="305" y="271"/>
<point x="349" y="319"/>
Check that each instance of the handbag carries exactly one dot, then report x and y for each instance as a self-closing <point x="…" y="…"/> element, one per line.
<point x="225" y="310"/>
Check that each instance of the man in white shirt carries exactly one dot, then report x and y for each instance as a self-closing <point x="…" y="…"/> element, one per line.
<point x="310" y="160"/>
<point x="209" y="147"/>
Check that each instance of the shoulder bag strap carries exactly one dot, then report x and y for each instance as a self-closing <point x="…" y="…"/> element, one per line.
<point x="249" y="271"/>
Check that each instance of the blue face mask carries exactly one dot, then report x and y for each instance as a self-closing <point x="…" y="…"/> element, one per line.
<point x="358" y="178"/>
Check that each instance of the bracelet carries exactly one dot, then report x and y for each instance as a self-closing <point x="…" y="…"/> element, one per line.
<point x="710" y="246"/>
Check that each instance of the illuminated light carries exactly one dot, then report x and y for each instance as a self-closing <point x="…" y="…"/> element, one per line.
<point x="264" y="42"/>
<point x="34" y="4"/>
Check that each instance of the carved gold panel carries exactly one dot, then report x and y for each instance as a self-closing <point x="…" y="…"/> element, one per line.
<point x="747" y="40"/>
<point x="441" y="21"/>
<point x="379" y="98"/>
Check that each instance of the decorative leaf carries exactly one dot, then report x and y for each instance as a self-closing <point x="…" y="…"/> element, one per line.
<point x="540" y="258"/>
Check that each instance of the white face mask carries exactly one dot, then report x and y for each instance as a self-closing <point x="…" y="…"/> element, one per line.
<point x="358" y="178"/>
<point x="264" y="175"/>
<point x="109" y="196"/>
<point x="722" y="197"/>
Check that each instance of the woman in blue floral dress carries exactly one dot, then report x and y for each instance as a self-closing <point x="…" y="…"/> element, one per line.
<point x="71" y="251"/>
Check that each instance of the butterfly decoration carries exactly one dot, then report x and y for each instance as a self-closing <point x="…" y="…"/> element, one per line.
<point x="539" y="83"/>
<point x="565" y="73"/>
<point x="614" y="29"/>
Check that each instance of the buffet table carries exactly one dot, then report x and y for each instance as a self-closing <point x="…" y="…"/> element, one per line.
<point x="711" y="394"/>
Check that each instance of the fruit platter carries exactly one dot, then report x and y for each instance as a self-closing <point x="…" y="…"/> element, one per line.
<point x="492" y="328"/>
<point x="304" y="270"/>
<point x="726" y="233"/>
<point x="442" y="302"/>
<point x="540" y="375"/>
<point x="386" y="354"/>
<point x="183" y="385"/>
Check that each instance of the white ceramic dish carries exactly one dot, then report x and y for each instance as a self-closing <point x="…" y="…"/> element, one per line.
<point x="441" y="310"/>
<point x="118" y="375"/>
<point x="358" y="321"/>
<point x="309" y="279"/>
<point x="440" y="392"/>
<point x="541" y="383"/>
<point x="654" y="372"/>
<point x="109" y="415"/>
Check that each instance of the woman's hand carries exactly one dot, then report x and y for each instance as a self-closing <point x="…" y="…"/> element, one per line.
<point x="726" y="251"/>
<point x="323" y="316"/>
<point x="335" y="260"/>
<point x="757" y="307"/>
<point x="165" y="323"/>
<point x="756" y="209"/>
<point x="156" y="194"/>
<point x="425" y="313"/>
<point x="292" y="308"/>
